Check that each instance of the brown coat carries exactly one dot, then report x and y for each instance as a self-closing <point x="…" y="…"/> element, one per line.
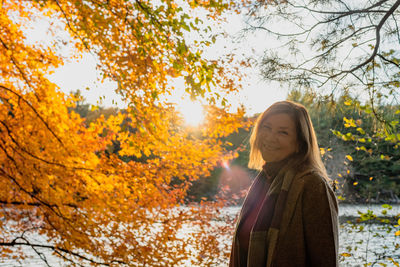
<point x="308" y="234"/>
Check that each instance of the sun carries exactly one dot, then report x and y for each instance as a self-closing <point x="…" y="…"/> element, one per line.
<point x="192" y="112"/>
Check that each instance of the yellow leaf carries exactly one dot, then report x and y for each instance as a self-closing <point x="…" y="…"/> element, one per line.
<point x="349" y="157"/>
<point x="355" y="183"/>
<point x="341" y="198"/>
<point x="397" y="233"/>
<point x="345" y="254"/>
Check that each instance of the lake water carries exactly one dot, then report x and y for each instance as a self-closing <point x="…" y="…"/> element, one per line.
<point x="361" y="243"/>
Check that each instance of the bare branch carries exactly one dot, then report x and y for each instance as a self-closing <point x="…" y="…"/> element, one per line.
<point x="389" y="61"/>
<point x="346" y="13"/>
<point x="57" y="250"/>
<point x="377" y="42"/>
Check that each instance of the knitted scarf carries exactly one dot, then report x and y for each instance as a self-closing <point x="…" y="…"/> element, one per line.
<point x="265" y="232"/>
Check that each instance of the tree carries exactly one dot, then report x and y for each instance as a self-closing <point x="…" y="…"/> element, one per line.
<point x="362" y="159"/>
<point x="337" y="46"/>
<point x="56" y="177"/>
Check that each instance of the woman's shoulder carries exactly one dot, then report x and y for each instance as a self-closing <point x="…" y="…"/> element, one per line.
<point x="313" y="178"/>
<point x="317" y="187"/>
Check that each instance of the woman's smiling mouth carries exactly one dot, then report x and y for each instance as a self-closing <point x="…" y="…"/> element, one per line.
<point x="271" y="148"/>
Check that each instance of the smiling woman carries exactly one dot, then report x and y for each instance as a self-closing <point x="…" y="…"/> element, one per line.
<point x="290" y="214"/>
<point x="277" y="137"/>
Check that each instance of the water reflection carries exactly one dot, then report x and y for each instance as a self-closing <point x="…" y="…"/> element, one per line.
<point x="374" y="244"/>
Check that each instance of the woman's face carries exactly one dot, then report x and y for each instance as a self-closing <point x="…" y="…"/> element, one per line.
<point x="277" y="137"/>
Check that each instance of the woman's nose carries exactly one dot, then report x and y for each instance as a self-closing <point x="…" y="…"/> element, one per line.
<point x="271" y="136"/>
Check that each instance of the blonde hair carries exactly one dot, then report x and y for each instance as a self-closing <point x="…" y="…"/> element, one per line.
<point x="308" y="153"/>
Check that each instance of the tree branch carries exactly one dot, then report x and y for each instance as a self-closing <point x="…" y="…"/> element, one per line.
<point x="35" y="111"/>
<point x="58" y="250"/>
<point x="377" y="42"/>
<point x="346" y="13"/>
<point x="389" y="61"/>
<point x="36" y="157"/>
<point x="70" y="26"/>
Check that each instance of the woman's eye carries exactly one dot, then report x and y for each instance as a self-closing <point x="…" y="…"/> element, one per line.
<point x="283" y="132"/>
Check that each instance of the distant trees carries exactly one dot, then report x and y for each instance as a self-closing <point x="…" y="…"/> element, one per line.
<point x="355" y="148"/>
<point x="358" y="155"/>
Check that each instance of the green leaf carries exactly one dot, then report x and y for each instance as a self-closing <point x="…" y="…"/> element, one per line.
<point x="360" y="130"/>
<point x="185" y="27"/>
<point x="387" y="206"/>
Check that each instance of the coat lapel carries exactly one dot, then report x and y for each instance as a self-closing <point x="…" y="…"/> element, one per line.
<point x="294" y="193"/>
<point x="293" y="187"/>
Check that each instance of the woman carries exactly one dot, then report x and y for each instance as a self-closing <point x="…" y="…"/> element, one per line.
<point x="290" y="215"/>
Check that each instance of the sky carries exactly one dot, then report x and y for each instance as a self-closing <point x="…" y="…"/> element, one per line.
<point x="256" y="94"/>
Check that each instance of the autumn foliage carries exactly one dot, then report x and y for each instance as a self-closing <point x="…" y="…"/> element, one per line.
<point x="56" y="175"/>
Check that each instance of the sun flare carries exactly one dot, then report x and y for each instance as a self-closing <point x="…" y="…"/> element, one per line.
<point x="192" y="112"/>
